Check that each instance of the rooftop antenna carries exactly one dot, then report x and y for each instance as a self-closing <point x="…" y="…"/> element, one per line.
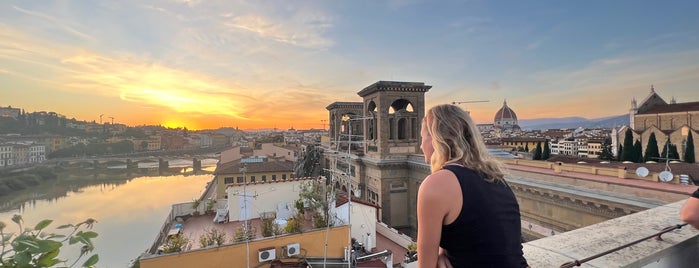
<point x="666" y="175"/>
<point x="472" y="101"/>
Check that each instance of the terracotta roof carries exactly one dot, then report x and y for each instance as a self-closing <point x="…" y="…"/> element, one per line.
<point x="505" y="113"/>
<point x="341" y="199"/>
<point x="673" y="108"/>
<point x="269" y="166"/>
<point x="677" y="168"/>
<point x="522" y="139"/>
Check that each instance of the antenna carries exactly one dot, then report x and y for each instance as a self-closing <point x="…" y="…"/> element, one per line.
<point x="460" y="102"/>
<point x="642" y="172"/>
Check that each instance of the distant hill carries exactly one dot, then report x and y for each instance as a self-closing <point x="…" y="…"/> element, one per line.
<point x="574" y="122"/>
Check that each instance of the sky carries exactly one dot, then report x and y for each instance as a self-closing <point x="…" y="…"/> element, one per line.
<point x="278" y="64"/>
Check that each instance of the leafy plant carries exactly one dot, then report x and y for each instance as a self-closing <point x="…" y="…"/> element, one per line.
<point x="195" y="205"/>
<point x="242" y="235"/>
<point x="176" y="243"/>
<point x="270" y="228"/>
<point x="411" y="255"/>
<point x="212" y="237"/>
<point x="35" y="248"/>
<point x="210" y="205"/>
<point x="293" y="225"/>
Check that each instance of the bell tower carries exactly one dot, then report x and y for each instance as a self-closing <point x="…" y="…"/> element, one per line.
<point x="392" y="118"/>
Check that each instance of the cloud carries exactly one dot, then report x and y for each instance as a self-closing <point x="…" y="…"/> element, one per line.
<point x="622" y="76"/>
<point x="56" y="23"/>
<point x="303" y="33"/>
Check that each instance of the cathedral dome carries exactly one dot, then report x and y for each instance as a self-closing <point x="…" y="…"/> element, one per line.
<point x="505" y="118"/>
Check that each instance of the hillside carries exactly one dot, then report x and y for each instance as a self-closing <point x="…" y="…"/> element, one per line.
<point x="574" y="122"/>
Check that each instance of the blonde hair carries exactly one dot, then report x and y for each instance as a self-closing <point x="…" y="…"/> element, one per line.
<point x="456" y="140"/>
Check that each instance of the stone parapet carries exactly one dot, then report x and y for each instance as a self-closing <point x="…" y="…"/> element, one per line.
<point x="676" y="249"/>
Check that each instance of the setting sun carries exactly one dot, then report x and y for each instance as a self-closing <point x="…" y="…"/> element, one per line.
<point x="177" y="124"/>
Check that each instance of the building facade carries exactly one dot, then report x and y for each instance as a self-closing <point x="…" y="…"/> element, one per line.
<point x="668" y="121"/>
<point x="385" y="165"/>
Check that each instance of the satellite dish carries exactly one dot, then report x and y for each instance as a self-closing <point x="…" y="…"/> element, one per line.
<point x="665" y="176"/>
<point x="357" y="194"/>
<point x="642" y="172"/>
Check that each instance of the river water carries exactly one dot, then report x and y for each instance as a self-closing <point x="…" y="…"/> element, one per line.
<point x="130" y="208"/>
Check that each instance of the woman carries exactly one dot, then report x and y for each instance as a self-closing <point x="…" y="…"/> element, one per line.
<point x="467" y="215"/>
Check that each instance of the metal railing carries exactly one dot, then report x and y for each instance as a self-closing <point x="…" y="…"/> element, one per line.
<point x="656" y="235"/>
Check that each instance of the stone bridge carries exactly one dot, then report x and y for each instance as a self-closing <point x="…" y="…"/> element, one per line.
<point x="131" y="162"/>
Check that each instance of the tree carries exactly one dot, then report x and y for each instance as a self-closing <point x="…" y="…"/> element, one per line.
<point x="673" y="152"/>
<point x="689" y="149"/>
<point x="606" y="153"/>
<point x="628" y="154"/>
<point x="618" y="152"/>
<point x="652" y="148"/>
<point x="537" y="151"/>
<point x="637" y="152"/>
<point x="35" y="248"/>
<point x="547" y="151"/>
<point x="666" y="149"/>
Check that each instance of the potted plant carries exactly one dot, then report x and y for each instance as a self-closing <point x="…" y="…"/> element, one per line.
<point x="411" y="255"/>
<point x="210" y="207"/>
<point x="195" y="205"/>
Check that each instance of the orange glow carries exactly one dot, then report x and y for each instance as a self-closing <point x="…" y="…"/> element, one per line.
<point x="176" y="124"/>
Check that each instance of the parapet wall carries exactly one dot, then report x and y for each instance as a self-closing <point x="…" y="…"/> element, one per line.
<point x="612" y="171"/>
<point x="677" y="248"/>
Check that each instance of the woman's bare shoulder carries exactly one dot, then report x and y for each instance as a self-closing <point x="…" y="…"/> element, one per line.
<point x="440" y="182"/>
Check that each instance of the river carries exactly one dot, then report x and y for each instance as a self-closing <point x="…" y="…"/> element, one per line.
<point x="130" y="209"/>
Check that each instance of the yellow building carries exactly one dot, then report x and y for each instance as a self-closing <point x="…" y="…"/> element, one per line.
<point x="523" y="142"/>
<point x="258" y="170"/>
<point x="259" y="252"/>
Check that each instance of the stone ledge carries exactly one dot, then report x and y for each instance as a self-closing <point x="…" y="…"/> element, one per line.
<point x="585" y="242"/>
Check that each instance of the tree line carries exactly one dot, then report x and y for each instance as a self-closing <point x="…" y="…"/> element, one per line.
<point x="632" y="151"/>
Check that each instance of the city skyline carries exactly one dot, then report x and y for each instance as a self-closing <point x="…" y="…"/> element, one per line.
<point x="210" y="64"/>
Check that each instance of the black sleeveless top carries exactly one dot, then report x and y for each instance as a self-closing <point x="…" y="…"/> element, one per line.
<point x="487" y="231"/>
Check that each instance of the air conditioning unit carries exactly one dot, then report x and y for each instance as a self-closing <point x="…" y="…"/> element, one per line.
<point x="291" y="250"/>
<point x="267" y="254"/>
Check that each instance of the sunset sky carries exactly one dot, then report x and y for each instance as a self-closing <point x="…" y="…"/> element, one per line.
<point x="264" y="64"/>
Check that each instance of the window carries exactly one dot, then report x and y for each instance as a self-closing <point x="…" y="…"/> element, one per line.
<point x="283" y="176"/>
<point x="264" y="178"/>
<point x="240" y="180"/>
<point x="274" y="177"/>
<point x="228" y="180"/>
<point x="252" y="178"/>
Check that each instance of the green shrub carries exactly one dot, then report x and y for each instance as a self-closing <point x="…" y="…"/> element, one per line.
<point x="35" y="248"/>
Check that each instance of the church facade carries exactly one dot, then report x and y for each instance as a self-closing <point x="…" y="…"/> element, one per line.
<point x="673" y="121"/>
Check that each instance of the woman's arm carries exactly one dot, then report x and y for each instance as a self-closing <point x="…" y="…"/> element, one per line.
<point x="432" y="207"/>
<point x="690" y="211"/>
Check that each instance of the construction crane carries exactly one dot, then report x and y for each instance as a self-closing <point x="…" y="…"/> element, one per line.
<point x="460" y="102"/>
